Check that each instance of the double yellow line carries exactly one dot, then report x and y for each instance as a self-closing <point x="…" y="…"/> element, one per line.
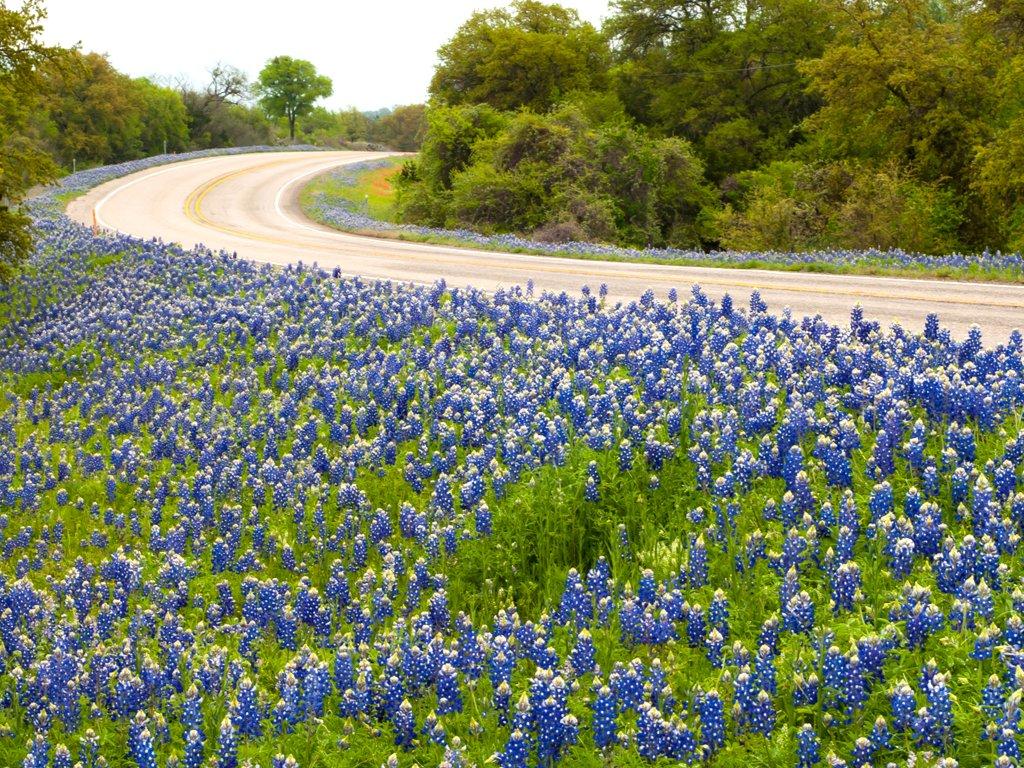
<point x="193" y="206"/>
<point x="193" y="209"/>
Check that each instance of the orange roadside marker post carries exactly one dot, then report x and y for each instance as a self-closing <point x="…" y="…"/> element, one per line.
<point x="95" y="225"/>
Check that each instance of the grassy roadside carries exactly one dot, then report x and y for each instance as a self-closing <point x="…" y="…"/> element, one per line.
<point x="370" y="192"/>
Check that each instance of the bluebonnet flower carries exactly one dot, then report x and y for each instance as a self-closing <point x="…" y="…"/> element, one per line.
<point x="62" y="757"/>
<point x="798" y="614"/>
<point x="88" y="748"/>
<point x="194" y="746"/>
<point x="434" y="730"/>
<point x="715" y="643"/>
<point x="516" y="753"/>
<point x="696" y="626"/>
<point x="628" y="686"/>
<point x="904" y="704"/>
<point x="938" y="727"/>
<point x="227" y="745"/>
<point x="845" y="587"/>
<point x="805" y="690"/>
<point x="405" y="725"/>
<point x="992" y="698"/>
<point x="449" y="697"/>
<point x="502" y="698"/>
<point x="625" y="456"/>
<point x="582" y="659"/>
<point x="604" y="727"/>
<point x="881" y="737"/>
<point x="711" y="712"/>
<point x="143" y="752"/>
<point x="762" y="714"/>
<point x="650" y="733"/>
<point x="1007" y="745"/>
<point x="243" y="419"/>
<point x="483" y="519"/>
<point x="698" y="563"/>
<point x="248" y="713"/>
<point x="808" y="747"/>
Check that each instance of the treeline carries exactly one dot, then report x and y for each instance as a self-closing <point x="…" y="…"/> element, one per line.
<point x="769" y="124"/>
<point x="88" y="113"/>
<point x="63" y="109"/>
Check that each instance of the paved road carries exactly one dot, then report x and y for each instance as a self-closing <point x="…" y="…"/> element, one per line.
<point x="249" y="204"/>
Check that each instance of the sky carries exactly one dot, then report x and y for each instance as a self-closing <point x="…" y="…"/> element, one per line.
<point x="379" y="53"/>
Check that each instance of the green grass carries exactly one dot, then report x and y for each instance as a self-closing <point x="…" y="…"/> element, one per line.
<point x="374" y="195"/>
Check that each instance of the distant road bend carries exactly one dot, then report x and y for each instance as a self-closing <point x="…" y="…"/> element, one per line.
<point x="249" y="204"/>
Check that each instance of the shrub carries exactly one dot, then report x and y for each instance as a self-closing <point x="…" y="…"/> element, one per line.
<point x="792" y="206"/>
<point x="488" y="199"/>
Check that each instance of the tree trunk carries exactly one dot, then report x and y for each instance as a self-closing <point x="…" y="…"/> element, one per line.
<point x="291" y="127"/>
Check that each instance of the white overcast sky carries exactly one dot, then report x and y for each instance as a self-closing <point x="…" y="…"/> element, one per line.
<point x="379" y="53"/>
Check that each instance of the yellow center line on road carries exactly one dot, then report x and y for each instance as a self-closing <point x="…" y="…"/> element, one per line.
<point x="193" y="208"/>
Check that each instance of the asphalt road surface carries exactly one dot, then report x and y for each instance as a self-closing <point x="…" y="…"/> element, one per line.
<point x="249" y="204"/>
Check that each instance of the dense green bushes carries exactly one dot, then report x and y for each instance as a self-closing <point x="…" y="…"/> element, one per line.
<point x="789" y="205"/>
<point x="558" y="176"/>
<point x="527" y="55"/>
<point x="753" y="124"/>
<point x="561" y="177"/>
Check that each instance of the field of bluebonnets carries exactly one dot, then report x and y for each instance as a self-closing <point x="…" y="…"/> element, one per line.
<point x="285" y="518"/>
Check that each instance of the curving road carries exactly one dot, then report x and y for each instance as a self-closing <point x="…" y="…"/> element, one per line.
<point x="249" y="204"/>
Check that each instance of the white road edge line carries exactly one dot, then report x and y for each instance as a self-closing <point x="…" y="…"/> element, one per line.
<point x="279" y="209"/>
<point x="121" y="187"/>
<point x="768" y="274"/>
<point x="450" y="250"/>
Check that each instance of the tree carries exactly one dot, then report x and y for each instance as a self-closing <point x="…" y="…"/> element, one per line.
<point x="164" y="118"/>
<point x="210" y="106"/>
<point x="909" y="82"/>
<point x="227" y="84"/>
<point x="791" y="206"/>
<point x="239" y="125"/>
<point x="219" y="114"/>
<point x="402" y="128"/>
<point x="451" y="135"/>
<point x="22" y="164"/>
<point x="352" y="125"/>
<point x="998" y="165"/>
<point x="322" y="127"/>
<point x="530" y="55"/>
<point x="721" y="73"/>
<point x="558" y="177"/>
<point x="288" y="88"/>
<point x="91" y="113"/>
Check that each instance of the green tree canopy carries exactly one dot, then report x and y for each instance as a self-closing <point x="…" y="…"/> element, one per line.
<point x="22" y="164"/>
<point x="288" y="88"/>
<point x="91" y="113"/>
<point x="324" y="127"/>
<point x="402" y="128"/>
<point x="92" y="110"/>
<point x="803" y="124"/>
<point x="911" y="82"/>
<point x="720" y="73"/>
<point x="217" y="112"/>
<point x="164" y="118"/>
<point x="528" y="55"/>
